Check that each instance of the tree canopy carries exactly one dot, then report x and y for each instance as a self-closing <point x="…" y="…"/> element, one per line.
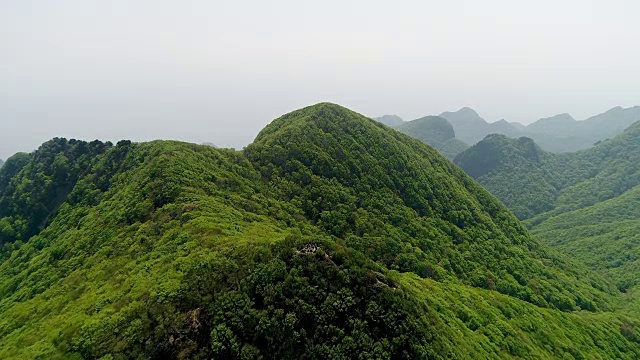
<point x="331" y="236"/>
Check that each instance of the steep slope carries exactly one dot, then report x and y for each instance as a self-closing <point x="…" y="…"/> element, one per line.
<point x="435" y="131"/>
<point x="583" y="203"/>
<point x="390" y="120"/>
<point x="48" y="178"/>
<point x="331" y="236"/>
<point x="1" y="163"/>
<point x="516" y="171"/>
<point x="348" y="175"/>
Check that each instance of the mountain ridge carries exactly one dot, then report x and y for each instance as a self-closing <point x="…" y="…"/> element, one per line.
<point x="558" y="133"/>
<point x="331" y="235"/>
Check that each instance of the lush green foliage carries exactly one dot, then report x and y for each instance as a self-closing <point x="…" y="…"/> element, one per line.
<point x="435" y="131"/>
<point x="515" y="170"/>
<point x="400" y="203"/>
<point x="532" y="182"/>
<point x="586" y="204"/>
<point x="331" y="236"/>
<point x="606" y="236"/>
<point x="28" y="201"/>
<point x="481" y="324"/>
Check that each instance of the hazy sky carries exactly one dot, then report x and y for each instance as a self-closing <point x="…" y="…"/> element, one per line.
<point x="220" y="70"/>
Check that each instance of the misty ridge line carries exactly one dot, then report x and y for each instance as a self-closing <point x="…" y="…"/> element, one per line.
<point x="461" y="119"/>
<point x="394" y="117"/>
<point x="452" y="132"/>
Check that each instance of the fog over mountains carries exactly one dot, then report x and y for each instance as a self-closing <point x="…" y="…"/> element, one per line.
<point x="559" y="133"/>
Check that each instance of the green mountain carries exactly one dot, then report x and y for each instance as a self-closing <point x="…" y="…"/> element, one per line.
<point x="583" y="203"/>
<point x="516" y="171"/>
<point x="331" y="236"/>
<point x="390" y="120"/>
<point x="435" y="131"/>
<point x="1" y="163"/>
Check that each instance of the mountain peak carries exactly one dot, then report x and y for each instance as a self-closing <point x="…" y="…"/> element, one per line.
<point x="319" y="108"/>
<point x="468" y="111"/>
<point x="554" y="123"/>
<point x="465" y="115"/>
<point x="327" y="210"/>
<point x="390" y="120"/>
<point x="465" y="111"/>
<point x="560" y="117"/>
<point x="434" y="128"/>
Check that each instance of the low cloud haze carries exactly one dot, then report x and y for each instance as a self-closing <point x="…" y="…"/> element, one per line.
<point x="218" y="71"/>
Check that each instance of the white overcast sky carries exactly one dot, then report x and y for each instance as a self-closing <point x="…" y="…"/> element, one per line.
<point x="220" y="70"/>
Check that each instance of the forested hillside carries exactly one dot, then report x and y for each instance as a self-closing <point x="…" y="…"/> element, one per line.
<point x="517" y="171"/>
<point x="584" y="203"/>
<point x="331" y="236"/>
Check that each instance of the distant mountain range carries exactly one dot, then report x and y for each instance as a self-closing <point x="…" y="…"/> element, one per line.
<point x="390" y="120"/>
<point x="559" y="133"/>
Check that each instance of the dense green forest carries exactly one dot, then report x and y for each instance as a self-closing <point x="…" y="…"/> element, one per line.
<point x="331" y="236"/>
<point x="435" y="131"/>
<point x="585" y="204"/>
